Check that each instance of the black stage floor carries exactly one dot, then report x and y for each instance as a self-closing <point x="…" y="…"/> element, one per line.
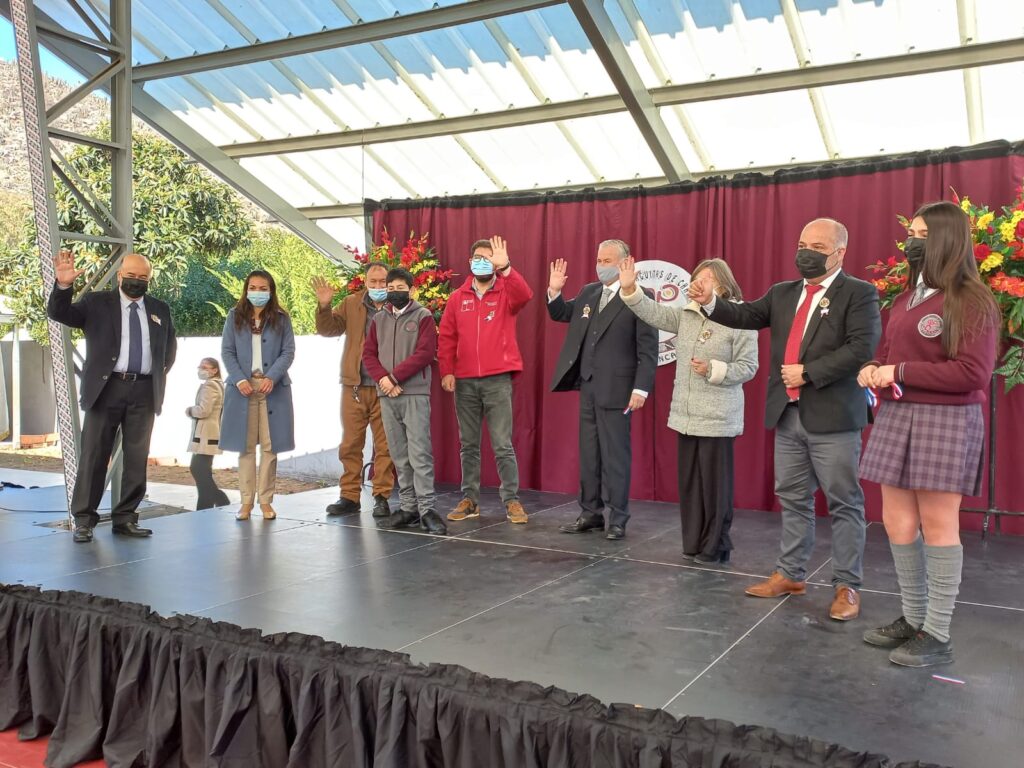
<point x="626" y="621"/>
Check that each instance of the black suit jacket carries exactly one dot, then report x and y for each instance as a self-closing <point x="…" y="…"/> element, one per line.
<point x="834" y="348"/>
<point x="625" y="352"/>
<point x="99" y="315"/>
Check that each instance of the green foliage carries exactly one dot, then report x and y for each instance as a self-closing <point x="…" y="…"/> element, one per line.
<point x="182" y="216"/>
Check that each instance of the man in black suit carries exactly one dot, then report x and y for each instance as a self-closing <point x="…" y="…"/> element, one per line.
<point x="610" y="357"/>
<point x="824" y="327"/>
<point x="130" y="346"/>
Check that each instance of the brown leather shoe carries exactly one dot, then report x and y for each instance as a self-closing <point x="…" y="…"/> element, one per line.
<point x="466" y="509"/>
<point x="516" y="513"/>
<point x="846" y="604"/>
<point x="777" y="585"/>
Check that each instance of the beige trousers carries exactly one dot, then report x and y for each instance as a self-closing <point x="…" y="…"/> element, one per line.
<point x="257" y="486"/>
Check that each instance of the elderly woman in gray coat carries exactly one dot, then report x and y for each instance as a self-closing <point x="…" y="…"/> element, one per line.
<point x="258" y="348"/>
<point x="707" y="404"/>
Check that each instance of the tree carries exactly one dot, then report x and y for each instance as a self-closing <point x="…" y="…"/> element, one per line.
<point x="181" y="215"/>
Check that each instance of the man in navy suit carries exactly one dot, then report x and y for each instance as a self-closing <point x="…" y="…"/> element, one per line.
<point x="130" y="346"/>
<point x="610" y="357"/>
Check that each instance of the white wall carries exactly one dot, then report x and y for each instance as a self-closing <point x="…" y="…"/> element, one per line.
<point x="315" y="393"/>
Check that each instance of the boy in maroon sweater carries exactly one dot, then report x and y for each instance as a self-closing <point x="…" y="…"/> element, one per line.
<point x="399" y="350"/>
<point x="925" y="449"/>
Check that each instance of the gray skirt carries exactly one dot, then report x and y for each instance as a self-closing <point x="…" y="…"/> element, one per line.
<point x="926" y="447"/>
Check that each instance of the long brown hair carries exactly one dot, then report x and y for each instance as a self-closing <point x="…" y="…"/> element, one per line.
<point x="949" y="265"/>
<point x="723" y="276"/>
<point x="272" y="312"/>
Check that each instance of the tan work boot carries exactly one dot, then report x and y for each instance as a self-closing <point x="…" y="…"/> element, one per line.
<point x="516" y="513"/>
<point x="467" y="509"/>
<point x="777" y="585"/>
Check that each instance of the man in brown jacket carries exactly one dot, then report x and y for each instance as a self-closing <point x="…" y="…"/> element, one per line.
<point x="359" y="400"/>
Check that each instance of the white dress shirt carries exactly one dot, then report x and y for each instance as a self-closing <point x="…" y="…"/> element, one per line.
<point x="121" y="366"/>
<point x="257" y="352"/>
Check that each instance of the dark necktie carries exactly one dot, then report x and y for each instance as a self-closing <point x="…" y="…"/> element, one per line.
<point x="134" y="339"/>
<point x="796" y="334"/>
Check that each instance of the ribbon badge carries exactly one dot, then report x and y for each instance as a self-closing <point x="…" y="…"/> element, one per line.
<point x="705" y="335"/>
<point x="586" y="311"/>
<point x="823" y="306"/>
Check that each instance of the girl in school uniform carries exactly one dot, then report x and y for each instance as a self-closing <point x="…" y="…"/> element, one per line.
<point x="925" y="449"/>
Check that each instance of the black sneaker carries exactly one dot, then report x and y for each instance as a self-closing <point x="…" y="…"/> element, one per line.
<point x="343" y="506"/>
<point x="381" y="508"/>
<point x="431" y="523"/>
<point x="891" y="635"/>
<point x="922" y="650"/>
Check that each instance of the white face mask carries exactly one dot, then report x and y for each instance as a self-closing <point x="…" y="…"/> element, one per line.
<point x="204" y="375"/>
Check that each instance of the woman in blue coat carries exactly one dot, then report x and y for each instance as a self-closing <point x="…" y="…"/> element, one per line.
<point x="258" y="348"/>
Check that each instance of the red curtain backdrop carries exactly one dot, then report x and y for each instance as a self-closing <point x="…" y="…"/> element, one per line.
<point x="754" y="224"/>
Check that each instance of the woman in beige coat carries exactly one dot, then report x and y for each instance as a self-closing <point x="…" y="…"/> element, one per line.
<point x="205" y="441"/>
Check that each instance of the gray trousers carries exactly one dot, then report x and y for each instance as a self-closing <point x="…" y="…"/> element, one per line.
<point x="803" y="462"/>
<point x="407" y="426"/>
<point x="488" y="398"/>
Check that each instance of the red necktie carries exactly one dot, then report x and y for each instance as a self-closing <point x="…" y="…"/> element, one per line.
<point x="796" y="335"/>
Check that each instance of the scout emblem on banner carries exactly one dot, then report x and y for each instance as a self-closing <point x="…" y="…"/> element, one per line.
<point x="669" y="283"/>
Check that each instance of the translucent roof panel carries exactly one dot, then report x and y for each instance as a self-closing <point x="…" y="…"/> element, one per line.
<point x="999" y="19"/>
<point x="886" y="116"/>
<point x="347" y="231"/>
<point x="770" y="129"/>
<point x="1003" y="117"/>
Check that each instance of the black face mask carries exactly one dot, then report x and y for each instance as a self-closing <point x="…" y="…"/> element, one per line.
<point x="398" y="299"/>
<point x="913" y="249"/>
<point x="133" y="287"/>
<point x="811" y="264"/>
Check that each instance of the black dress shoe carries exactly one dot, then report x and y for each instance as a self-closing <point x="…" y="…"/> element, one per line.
<point x="133" y="530"/>
<point x="722" y="557"/>
<point x="399" y="519"/>
<point x="82" y="535"/>
<point x="615" y="532"/>
<point x="582" y="524"/>
<point x="381" y="508"/>
<point x="343" y="506"/>
<point x="431" y="523"/>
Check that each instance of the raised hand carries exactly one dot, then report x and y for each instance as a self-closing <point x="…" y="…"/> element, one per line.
<point x="627" y="276"/>
<point x="64" y="268"/>
<point x="558" y="276"/>
<point x="499" y="253"/>
<point x="324" y="290"/>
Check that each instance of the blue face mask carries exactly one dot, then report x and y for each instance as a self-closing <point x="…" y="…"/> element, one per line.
<point x="258" y="298"/>
<point x="481" y="267"/>
<point x="378" y="295"/>
<point x="607" y="274"/>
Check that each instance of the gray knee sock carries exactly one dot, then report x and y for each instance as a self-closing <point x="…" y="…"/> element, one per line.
<point x="910" y="573"/>
<point x="944" y="565"/>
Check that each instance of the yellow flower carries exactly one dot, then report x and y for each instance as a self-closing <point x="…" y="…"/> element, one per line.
<point x="966" y="204"/>
<point x="993" y="261"/>
<point x="985" y="220"/>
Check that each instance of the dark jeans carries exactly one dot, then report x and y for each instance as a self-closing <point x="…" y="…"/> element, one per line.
<point x="210" y="495"/>
<point x="127" y="405"/>
<point x="488" y="398"/>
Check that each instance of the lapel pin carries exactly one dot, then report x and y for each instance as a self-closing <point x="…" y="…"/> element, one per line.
<point x="155" y="319"/>
<point x="586" y="311"/>
<point x="823" y="304"/>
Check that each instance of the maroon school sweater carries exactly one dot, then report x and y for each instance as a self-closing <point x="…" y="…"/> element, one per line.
<point x="913" y="343"/>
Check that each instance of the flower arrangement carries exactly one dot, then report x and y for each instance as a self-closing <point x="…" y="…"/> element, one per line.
<point x="999" y="251"/>
<point x="431" y="284"/>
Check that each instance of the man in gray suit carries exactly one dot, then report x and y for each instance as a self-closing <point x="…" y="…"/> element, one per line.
<point x="824" y="327"/>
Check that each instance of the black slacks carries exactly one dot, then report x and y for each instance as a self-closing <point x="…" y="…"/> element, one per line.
<point x="606" y="458"/>
<point x="124" y="404"/>
<point x="706" y="494"/>
<point x="201" y="467"/>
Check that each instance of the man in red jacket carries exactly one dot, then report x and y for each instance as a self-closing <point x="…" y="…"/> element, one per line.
<point x="477" y="355"/>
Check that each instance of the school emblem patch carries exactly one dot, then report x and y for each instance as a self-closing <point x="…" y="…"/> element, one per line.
<point x="930" y="326"/>
<point x="411" y="326"/>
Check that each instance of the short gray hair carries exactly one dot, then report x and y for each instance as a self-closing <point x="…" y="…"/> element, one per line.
<point x="620" y="244"/>
<point x="841" y="236"/>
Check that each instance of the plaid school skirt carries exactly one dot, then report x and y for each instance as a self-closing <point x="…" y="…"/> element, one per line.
<point x="926" y="447"/>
